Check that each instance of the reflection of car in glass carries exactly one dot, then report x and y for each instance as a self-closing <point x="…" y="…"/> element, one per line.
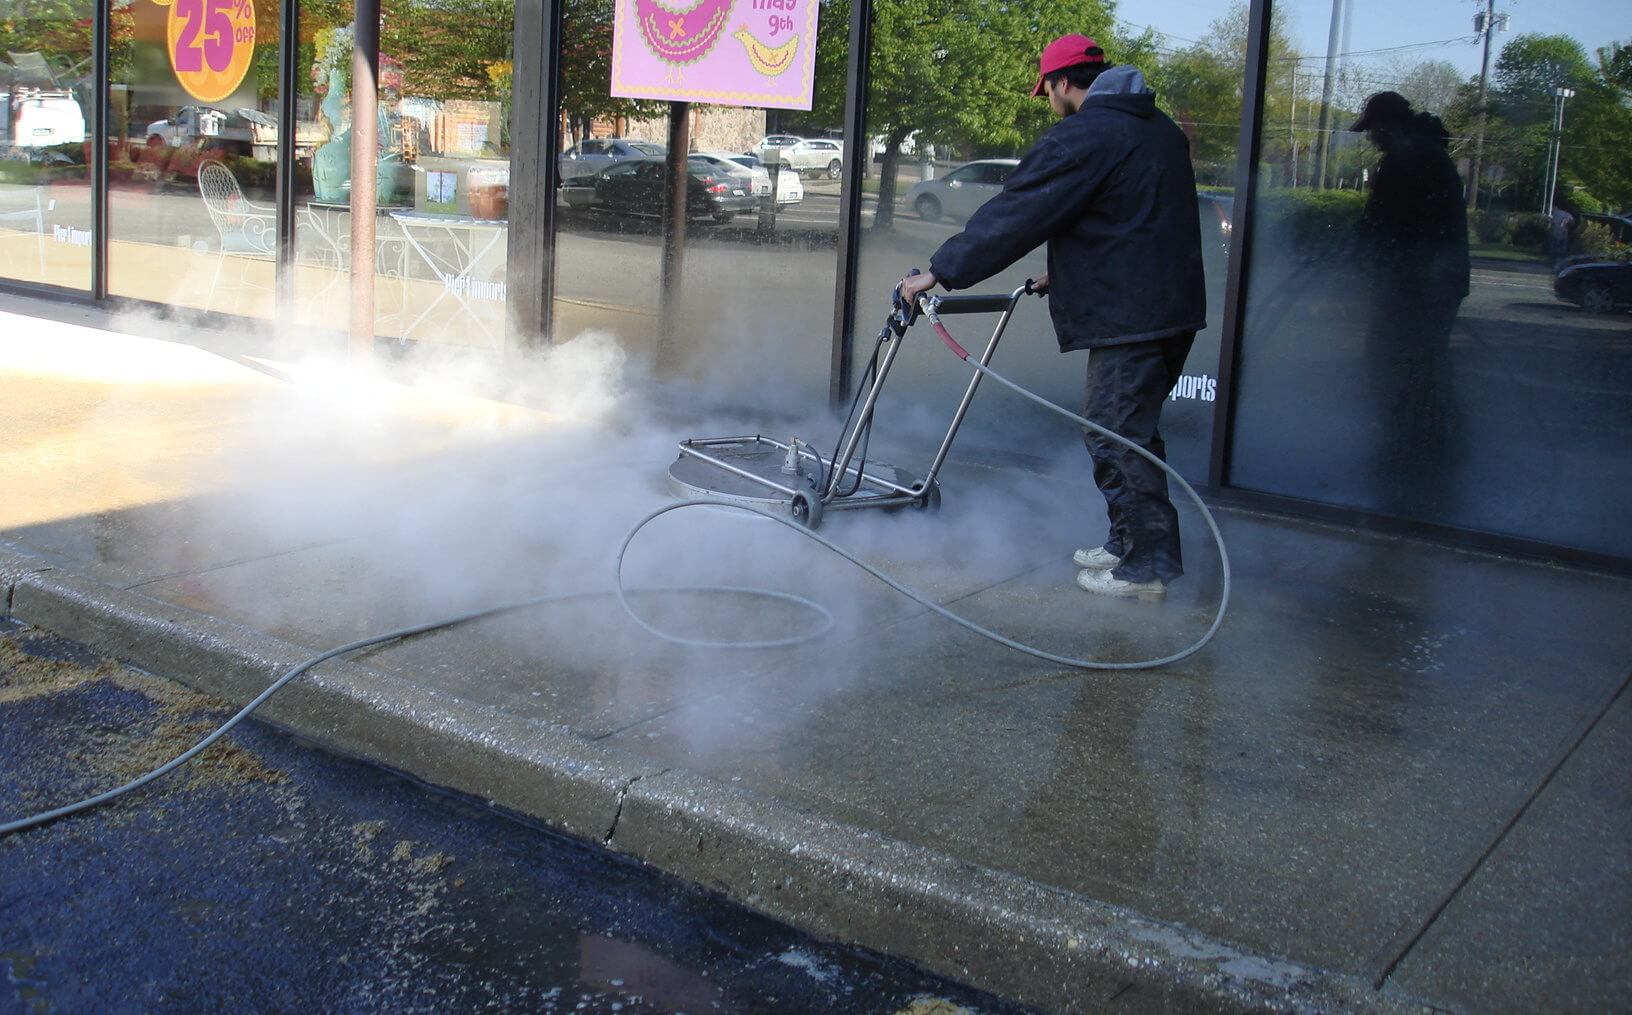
<point x="247" y="132"/>
<point x="1597" y="287"/>
<point x="586" y="158"/>
<point x="773" y="142"/>
<point x="788" y="188"/>
<point x="43" y="119"/>
<point x="636" y="187"/>
<point x="819" y="156"/>
<point x="1216" y="214"/>
<point x="961" y="191"/>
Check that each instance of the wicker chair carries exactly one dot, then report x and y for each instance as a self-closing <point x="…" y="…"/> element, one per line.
<point x="248" y="231"/>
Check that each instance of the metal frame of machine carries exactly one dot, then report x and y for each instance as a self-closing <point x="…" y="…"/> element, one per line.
<point x="810" y="483"/>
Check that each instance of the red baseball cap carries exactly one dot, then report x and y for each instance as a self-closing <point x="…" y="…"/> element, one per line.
<point x="1066" y="51"/>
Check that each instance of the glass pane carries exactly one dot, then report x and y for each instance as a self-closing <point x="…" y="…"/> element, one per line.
<point x="194" y="99"/>
<point x="45" y="89"/>
<point x="1417" y="350"/>
<point x="442" y="169"/>
<point x="759" y="263"/>
<point x="944" y="139"/>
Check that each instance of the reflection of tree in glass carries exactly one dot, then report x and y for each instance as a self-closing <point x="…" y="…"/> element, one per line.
<point x="59" y="32"/>
<point x="1597" y="126"/>
<point x="445" y="46"/>
<point x="586" y="68"/>
<point x="949" y="72"/>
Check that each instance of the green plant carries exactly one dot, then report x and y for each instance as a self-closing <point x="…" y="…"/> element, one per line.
<point x="1529" y="230"/>
<point x="1491" y="227"/>
<point x="1596" y="239"/>
<point x="1315" y="220"/>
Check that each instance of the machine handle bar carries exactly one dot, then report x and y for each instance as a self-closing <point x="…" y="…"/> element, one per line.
<point x="996" y="303"/>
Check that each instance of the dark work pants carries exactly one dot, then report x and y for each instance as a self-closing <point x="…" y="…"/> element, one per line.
<point x="1127" y="385"/>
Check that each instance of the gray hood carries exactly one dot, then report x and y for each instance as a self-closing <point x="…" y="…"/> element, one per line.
<point x="1123" y="79"/>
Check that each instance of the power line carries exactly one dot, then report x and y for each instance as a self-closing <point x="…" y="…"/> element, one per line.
<point x="1384" y="49"/>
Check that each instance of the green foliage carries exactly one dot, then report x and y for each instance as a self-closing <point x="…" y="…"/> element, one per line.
<point x="1597" y="140"/>
<point x="586" y="65"/>
<point x="954" y="73"/>
<point x="1529" y="230"/>
<point x="1596" y="239"/>
<point x="1314" y="220"/>
<point x="1490" y="227"/>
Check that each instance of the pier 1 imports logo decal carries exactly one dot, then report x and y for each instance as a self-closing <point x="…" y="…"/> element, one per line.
<point x="211" y="45"/>
<point x="725" y="52"/>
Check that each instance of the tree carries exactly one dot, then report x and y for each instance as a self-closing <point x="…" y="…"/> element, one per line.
<point x="586" y="67"/>
<point x="1201" y="87"/>
<point x="1434" y="86"/>
<point x="948" y="72"/>
<point x="1597" y="121"/>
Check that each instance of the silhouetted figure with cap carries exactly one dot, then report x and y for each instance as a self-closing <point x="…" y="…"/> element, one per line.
<point x="1413" y="240"/>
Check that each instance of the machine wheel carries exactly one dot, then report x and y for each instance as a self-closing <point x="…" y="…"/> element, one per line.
<point x="835" y="169"/>
<point x="929" y="209"/>
<point x="807" y="508"/>
<point x="1597" y="300"/>
<point x="931" y="500"/>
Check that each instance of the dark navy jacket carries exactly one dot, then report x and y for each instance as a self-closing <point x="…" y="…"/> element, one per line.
<point x="1111" y="191"/>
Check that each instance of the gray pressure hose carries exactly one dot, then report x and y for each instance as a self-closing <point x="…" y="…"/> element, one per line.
<point x="623" y="600"/>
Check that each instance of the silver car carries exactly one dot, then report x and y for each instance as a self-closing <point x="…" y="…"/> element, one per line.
<point x="961" y="191"/>
<point x="586" y="158"/>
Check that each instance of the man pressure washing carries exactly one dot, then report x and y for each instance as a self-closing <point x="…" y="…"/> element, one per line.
<point x="1110" y="190"/>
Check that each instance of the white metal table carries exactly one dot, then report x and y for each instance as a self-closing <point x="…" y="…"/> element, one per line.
<point x="450" y="246"/>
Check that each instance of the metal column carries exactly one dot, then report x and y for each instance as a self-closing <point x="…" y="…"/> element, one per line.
<point x="1248" y="149"/>
<point x="855" y="162"/>
<point x="535" y="141"/>
<point x="365" y="81"/>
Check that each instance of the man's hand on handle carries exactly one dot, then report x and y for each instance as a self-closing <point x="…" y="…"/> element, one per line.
<point x="913" y="285"/>
<point x="1039" y="285"/>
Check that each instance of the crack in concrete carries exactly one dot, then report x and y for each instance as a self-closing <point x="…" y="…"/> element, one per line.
<point x="1573" y="743"/>
<point x="623" y="793"/>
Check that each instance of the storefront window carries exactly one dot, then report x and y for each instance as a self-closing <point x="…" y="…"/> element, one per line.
<point x="45" y="91"/>
<point x="1419" y="347"/>
<point x="949" y="115"/>
<point x="192" y="155"/>
<point x="442" y="169"/>
<point x="751" y="313"/>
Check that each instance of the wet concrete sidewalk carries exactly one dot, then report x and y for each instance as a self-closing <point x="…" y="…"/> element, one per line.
<point x="1397" y="776"/>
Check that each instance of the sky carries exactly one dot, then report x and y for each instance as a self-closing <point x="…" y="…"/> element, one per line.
<point x="1383" y="24"/>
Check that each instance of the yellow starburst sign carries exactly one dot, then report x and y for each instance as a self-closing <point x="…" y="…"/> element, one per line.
<point x="211" y="45"/>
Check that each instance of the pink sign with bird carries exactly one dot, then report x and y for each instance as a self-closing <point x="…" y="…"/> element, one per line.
<point x="725" y="52"/>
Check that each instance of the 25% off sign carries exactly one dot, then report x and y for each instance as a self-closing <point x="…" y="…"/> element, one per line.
<point x="211" y="44"/>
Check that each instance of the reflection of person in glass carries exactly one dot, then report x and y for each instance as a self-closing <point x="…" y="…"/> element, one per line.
<point x="1110" y="190"/>
<point x="1414" y="246"/>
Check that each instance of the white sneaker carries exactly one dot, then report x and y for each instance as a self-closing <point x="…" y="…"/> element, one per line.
<point x="1102" y="583"/>
<point x="1096" y="559"/>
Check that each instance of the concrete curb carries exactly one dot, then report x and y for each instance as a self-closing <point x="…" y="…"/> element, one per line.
<point x="992" y="930"/>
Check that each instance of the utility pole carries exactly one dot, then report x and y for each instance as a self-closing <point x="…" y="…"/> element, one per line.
<point x="1484" y="23"/>
<point x="1292" y="127"/>
<point x="1559" y="94"/>
<point x="1324" y="138"/>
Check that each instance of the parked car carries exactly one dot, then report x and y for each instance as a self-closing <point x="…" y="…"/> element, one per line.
<point x="818" y="156"/>
<point x="961" y="191"/>
<point x="637" y="186"/>
<point x="789" y="189"/>
<point x="43" y="119"/>
<point x="1217" y="214"/>
<point x="772" y="143"/>
<point x="586" y="158"/>
<point x="1597" y="286"/>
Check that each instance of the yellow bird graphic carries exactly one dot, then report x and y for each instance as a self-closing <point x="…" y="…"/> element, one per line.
<point x="768" y="60"/>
